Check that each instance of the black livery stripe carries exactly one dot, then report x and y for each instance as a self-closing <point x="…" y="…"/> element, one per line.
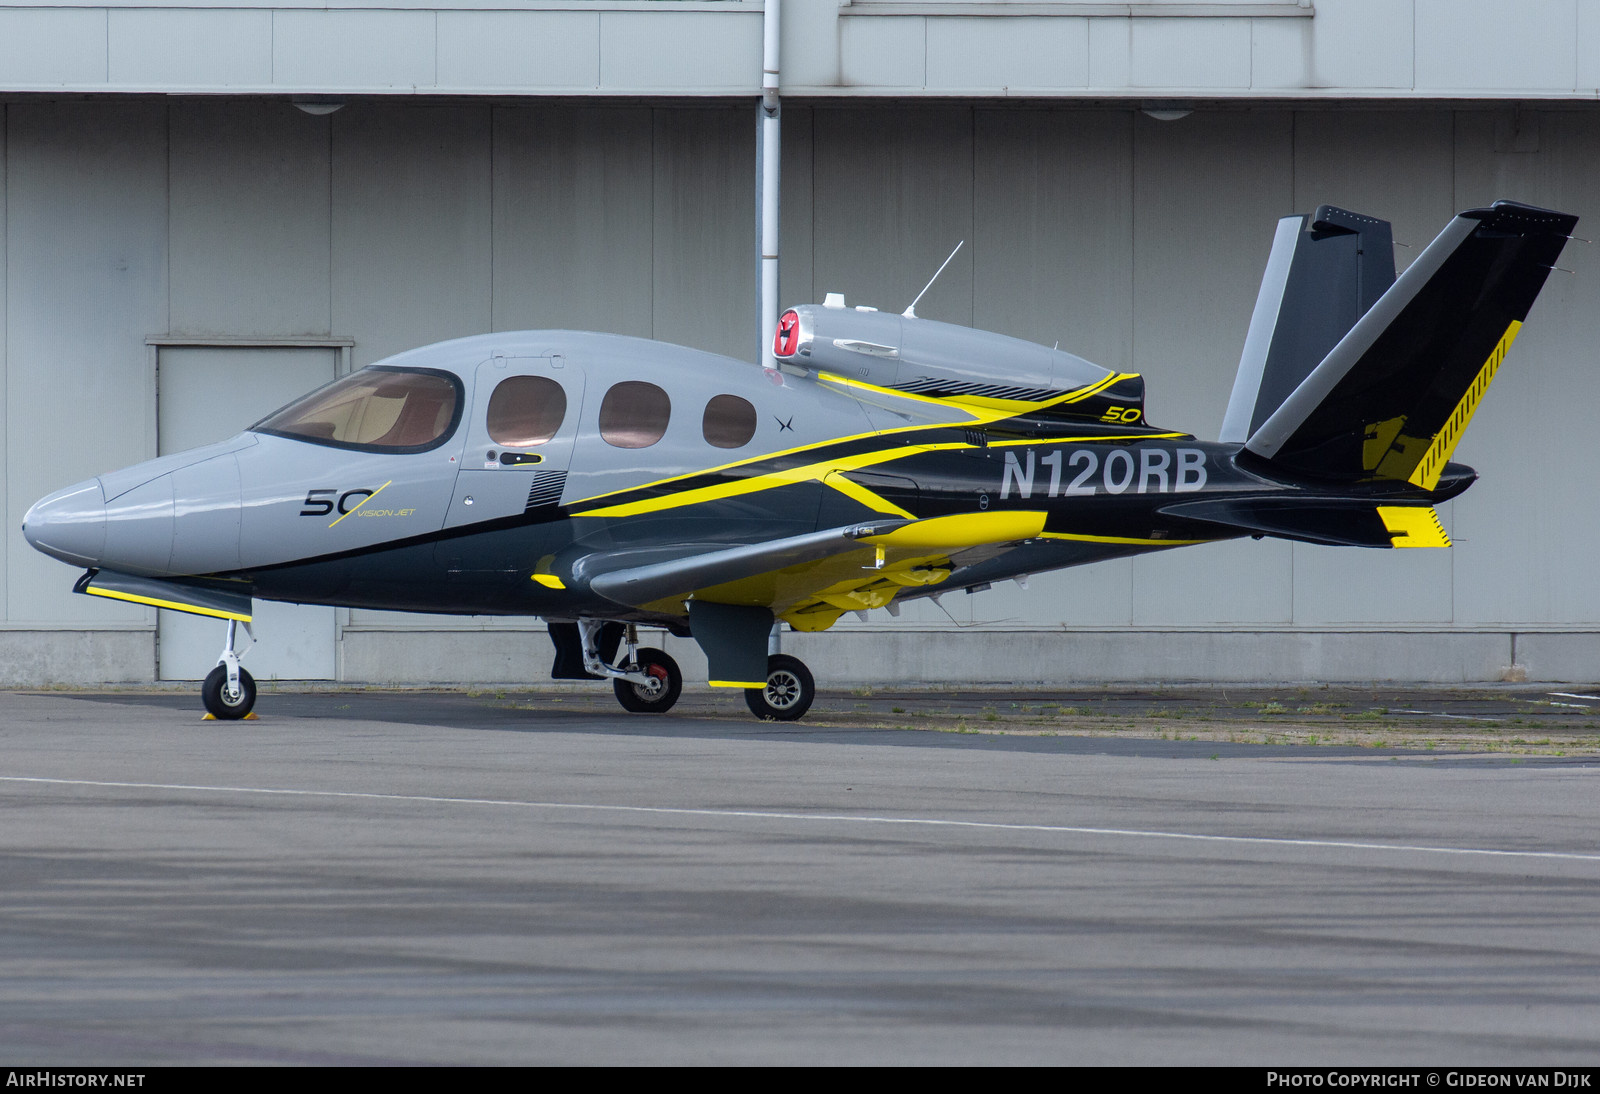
<point x="944" y="389"/>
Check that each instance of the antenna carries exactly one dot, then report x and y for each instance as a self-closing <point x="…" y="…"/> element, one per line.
<point x="911" y="309"/>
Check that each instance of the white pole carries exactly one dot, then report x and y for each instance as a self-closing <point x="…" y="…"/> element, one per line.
<point x="767" y="180"/>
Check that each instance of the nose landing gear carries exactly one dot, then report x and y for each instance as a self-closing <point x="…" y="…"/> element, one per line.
<point x="229" y="692"/>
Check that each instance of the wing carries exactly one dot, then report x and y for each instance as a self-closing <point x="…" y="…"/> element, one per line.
<point x="810" y="580"/>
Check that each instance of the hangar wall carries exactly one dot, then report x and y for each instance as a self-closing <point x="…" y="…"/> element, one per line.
<point x="1137" y="243"/>
<point x="1326" y="49"/>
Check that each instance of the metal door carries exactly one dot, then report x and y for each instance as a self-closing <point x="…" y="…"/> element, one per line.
<point x="511" y="465"/>
<point x="209" y="393"/>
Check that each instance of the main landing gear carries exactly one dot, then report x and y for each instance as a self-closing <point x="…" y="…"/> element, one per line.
<point x="646" y="682"/>
<point x="661" y="688"/>
<point x="229" y="692"/>
<point x="789" y="691"/>
<point x="790" y="688"/>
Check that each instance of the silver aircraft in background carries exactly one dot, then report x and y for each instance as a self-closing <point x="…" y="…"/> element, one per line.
<point x="602" y="482"/>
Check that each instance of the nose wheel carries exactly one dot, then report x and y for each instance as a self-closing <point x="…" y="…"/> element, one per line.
<point x="229" y="692"/>
<point x="227" y="703"/>
<point x="789" y="692"/>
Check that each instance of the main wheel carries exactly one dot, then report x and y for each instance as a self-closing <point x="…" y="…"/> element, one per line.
<point x="222" y="705"/>
<point x="789" y="691"/>
<point x="656" y="697"/>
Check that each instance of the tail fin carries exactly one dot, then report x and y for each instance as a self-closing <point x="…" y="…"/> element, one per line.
<point x="1324" y="273"/>
<point x="1391" y="399"/>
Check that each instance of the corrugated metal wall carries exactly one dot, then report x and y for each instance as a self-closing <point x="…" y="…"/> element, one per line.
<point x="1136" y="243"/>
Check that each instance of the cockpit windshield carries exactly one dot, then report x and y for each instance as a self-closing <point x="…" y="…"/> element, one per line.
<point x="375" y="410"/>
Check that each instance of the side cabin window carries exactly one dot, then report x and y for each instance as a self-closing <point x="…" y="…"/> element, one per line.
<point x="729" y="422"/>
<point x="634" y="414"/>
<point x="526" y="410"/>
<point x="375" y="410"/>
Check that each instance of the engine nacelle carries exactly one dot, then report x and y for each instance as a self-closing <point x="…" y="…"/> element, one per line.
<point x="926" y="357"/>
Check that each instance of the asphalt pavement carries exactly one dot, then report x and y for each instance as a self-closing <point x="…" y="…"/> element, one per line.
<point x="496" y="878"/>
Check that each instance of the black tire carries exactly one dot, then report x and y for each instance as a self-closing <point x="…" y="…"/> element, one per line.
<point x="657" y="698"/>
<point x="213" y="695"/>
<point x="789" y="691"/>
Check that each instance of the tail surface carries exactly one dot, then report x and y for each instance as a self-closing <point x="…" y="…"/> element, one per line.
<point x="1325" y="272"/>
<point x="1406" y="363"/>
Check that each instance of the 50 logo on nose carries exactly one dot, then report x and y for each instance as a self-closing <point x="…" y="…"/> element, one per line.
<point x="318" y="506"/>
<point x="347" y="503"/>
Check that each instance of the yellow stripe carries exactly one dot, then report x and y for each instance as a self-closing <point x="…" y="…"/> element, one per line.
<point x="993" y="409"/>
<point x="1119" y="539"/>
<point x="747" y="462"/>
<point x="549" y="581"/>
<point x="192" y="609"/>
<point x="805" y="473"/>
<point x="827" y="443"/>
<point x="845" y="381"/>
<point x="877" y="503"/>
<point x="1093" y="389"/>
<point x="1004" y="408"/>
<point x="1009" y="407"/>
<point x="821" y="471"/>
<point x="975" y="419"/>
<point x="1415" y="525"/>
<point x="1439" y="452"/>
<point x="1092" y="439"/>
<point x="739" y="463"/>
<point x="737" y="683"/>
<point x="364" y="501"/>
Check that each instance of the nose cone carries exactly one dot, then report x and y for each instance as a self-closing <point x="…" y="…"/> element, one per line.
<point x="70" y="524"/>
